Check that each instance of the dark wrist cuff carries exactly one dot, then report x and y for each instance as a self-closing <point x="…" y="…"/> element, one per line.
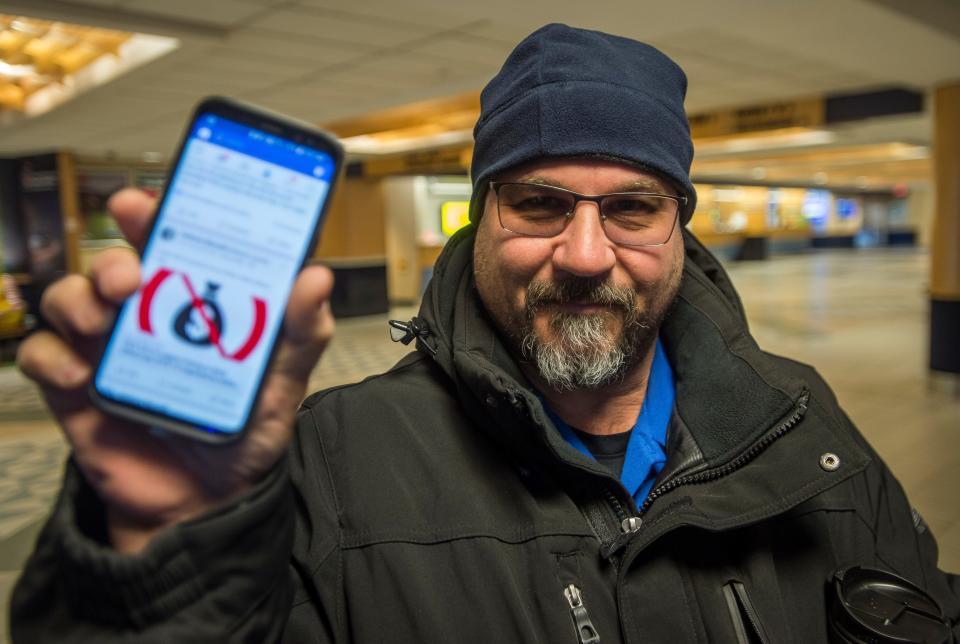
<point x="239" y="545"/>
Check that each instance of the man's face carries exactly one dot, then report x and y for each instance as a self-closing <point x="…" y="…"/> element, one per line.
<point x="581" y="308"/>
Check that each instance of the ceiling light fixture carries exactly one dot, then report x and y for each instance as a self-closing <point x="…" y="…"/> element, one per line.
<point x="794" y="138"/>
<point x="44" y="63"/>
<point x="371" y="144"/>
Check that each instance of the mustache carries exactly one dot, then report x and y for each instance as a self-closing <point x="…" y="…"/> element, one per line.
<point x="581" y="290"/>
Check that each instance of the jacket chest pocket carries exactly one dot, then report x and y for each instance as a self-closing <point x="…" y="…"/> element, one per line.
<point x="743" y="613"/>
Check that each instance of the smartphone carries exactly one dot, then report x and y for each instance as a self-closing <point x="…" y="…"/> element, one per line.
<point x="240" y="215"/>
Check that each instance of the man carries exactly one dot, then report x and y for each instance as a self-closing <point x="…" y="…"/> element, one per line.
<point x="587" y="445"/>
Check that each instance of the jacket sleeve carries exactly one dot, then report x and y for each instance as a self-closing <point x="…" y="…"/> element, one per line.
<point x="318" y="614"/>
<point x="902" y="541"/>
<point x="225" y="576"/>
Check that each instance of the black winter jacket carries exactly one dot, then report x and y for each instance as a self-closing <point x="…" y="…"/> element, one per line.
<point x="437" y="503"/>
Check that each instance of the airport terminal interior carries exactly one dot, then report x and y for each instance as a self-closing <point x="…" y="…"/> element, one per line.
<point x="827" y="138"/>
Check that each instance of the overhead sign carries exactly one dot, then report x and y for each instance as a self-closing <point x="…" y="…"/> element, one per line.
<point x="757" y="118"/>
<point x="439" y="161"/>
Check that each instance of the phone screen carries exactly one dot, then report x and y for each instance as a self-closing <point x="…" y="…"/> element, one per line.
<point x="229" y="239"/>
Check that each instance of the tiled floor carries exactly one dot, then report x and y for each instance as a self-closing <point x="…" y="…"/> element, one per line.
<point x="859" y="316"/>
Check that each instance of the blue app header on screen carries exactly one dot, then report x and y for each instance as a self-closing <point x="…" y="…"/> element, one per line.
<point x="262" y="145"/>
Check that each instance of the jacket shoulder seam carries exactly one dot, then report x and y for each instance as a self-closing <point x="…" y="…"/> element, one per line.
<point x="314" y="398"/>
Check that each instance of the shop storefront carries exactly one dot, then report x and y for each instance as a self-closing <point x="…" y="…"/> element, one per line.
<point x="751" y="222"/>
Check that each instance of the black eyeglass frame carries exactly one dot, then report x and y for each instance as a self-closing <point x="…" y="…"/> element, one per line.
<point x="681" y="200"/>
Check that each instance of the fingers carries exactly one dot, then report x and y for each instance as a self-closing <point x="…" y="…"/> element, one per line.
<point x="80" y="307"/>
<point x="308" y="325"/>
<point x="48" y="360"/>
<point x="133" y="209"/>
<point x="308" y="318"/>
<point x="116" y="274"/>
<point x="72" y="307"/>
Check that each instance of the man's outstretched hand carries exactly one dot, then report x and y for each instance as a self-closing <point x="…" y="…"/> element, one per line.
<point x="149" y="480"/>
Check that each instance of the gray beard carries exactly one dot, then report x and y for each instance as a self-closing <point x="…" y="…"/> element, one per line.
<point x="583" y="355"/>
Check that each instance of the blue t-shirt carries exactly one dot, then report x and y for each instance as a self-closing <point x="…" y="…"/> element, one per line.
<point x="646" y="453"/>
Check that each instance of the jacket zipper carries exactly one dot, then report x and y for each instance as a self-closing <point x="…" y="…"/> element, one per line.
<point x="616" y="505"/>
<point x="630" y="525"/>
<point x="586" y="633"/>
<point x="744" y="615"/>
<point x="735" y="464"/>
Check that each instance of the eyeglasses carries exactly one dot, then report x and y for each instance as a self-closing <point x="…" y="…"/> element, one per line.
<point x="628" y="218"/>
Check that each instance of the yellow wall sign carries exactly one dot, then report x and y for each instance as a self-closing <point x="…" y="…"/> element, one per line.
<point x="454" y="215"/>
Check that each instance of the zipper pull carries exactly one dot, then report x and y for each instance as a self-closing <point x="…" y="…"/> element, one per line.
<point x="586" y="633"/>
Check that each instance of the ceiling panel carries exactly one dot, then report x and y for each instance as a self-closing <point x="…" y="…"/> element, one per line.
<point x="193" y="88"/>
<point x="137" y="110"/>
<point x="464" y="48"/>
<point x="859" y="37"/>
<point x="149" y="73"/>
<point x="344" y="89"/>
<point x="97" y="3"/>
<point x="420" y="13"/>
<point x="257" y="62"/>
<point x="315" y="110"/>
<point x="322" y="101"/>
<point x="240" y="75"/>
<point x="398" y="70"/>
<point x="166" y="94"/>
<point x="750" y="71"/>
<point x="187" y="79"/>
<point x="222" y="13"/>
<point x="380" y="84"/>
<point x="155" y="140"/>
<point x="825" y="79"/>
<point x="270" y="44"/>
<point x="707" y="53"/>
<point x="706" y="68"/>
<point x="851" y="82"/>
<point x="328" y="59"/>
<point x="339" y="26"/>
<point x="311" y="113"/>
<point x="943" y="15"/>
<point x="500" y="28"/>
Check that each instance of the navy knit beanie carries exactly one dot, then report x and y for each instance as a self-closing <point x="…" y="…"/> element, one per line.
<point x="566" y="92"/>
